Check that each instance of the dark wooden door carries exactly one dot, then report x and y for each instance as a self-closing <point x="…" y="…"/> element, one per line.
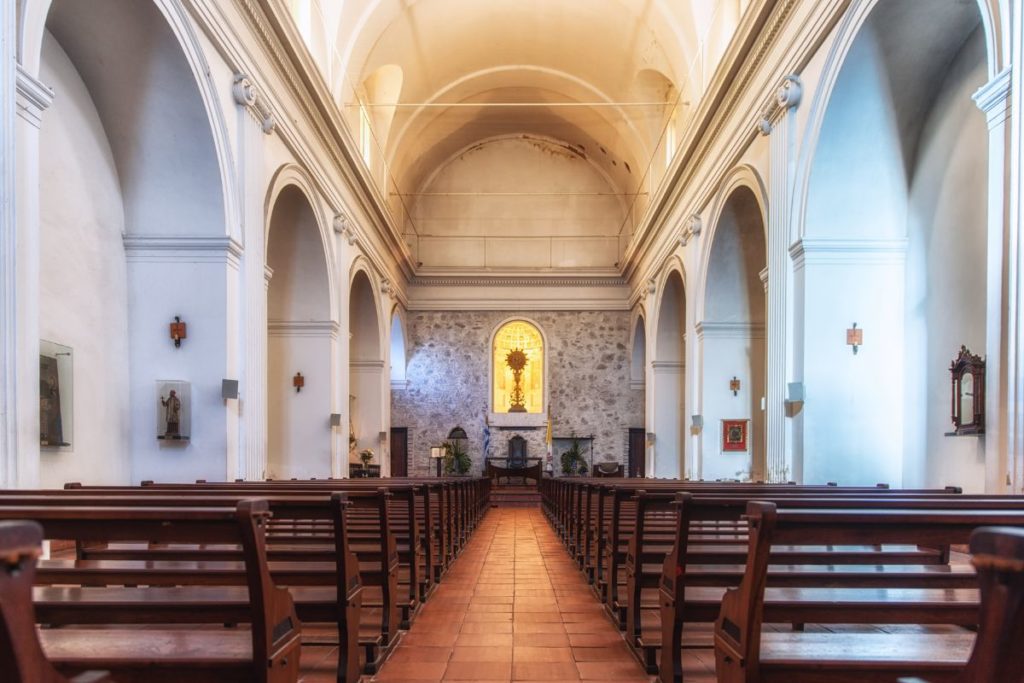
<point x="399" y="451"/>
<point x="637" y="448"/>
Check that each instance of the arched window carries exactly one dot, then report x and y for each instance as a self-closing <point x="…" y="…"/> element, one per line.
<point x="518" y="363"/>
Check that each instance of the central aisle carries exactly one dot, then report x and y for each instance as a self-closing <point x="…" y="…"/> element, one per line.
<point x="513" y="608"/>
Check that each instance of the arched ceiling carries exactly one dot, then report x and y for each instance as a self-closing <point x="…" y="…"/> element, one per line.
<point x="433" y="77"/>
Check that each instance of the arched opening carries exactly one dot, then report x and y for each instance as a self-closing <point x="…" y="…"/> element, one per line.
<point x="899" y="180"/>
<point x="397" y="357"/>
<point x="127" y="117"/>
<point x="300" y="340"/>
<point x="638" y="356"/>
<point x="366" y="374"/>
<point x="669" y="376"/>
<point x="517" y="360"/>
<point x="732" y="342"/>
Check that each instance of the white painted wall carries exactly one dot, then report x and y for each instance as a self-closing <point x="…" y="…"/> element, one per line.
<point x="946" y="273"/>
<point x="83" y="296"/>
<point x="518" y="202"/>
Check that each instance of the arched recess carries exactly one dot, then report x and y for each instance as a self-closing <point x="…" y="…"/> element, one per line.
<point x="731" y="336"/>
<point x="893" y="190"/>
<point x="366" y="371"/>
<point x="126" y="240"/>
<point x="301" y="338"/>
<point x="668" y="372"/>
<point x="519" y="334"/>
<point x="397" y="357"/>
<point x="638" y="354"/>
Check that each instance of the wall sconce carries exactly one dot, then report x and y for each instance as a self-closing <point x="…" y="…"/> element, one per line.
<point x="795" y="402"/>
<point x="650" y="438"/>
<point x="298" y="381"/>
<point x="734" y="385"/>
<point x="696" y="424"/>
<point x="179" y="331"/>
<point x="855" y="338"/>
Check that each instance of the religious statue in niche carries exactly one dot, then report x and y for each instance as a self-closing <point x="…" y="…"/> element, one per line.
<point x="173" y="411"/>
<point x="734" y="436"/>
<point x="516" y="361"/>
<point x="55" y="372"/>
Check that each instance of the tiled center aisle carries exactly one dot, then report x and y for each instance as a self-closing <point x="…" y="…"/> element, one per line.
<point x="512" y="608"/>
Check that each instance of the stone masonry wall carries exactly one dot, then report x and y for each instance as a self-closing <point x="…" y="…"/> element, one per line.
<point x="449" y="384"/>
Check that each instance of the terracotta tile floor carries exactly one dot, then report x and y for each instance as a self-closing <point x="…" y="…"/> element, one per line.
<point x="513" y="607"/>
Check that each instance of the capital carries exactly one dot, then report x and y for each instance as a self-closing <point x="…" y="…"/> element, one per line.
<point x="786" y="96"/>
<point x="249" y="96"/>
<point x="694" y="224"/>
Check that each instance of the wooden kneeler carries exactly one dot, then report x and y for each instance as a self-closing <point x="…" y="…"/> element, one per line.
<point x="21" y="656"/>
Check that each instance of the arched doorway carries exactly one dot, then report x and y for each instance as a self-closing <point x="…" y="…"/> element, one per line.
<point x="669" y="376"/>
<point x="366" y="375"/>
<point x="300" y="340"/>
<point x="732" y="343"/>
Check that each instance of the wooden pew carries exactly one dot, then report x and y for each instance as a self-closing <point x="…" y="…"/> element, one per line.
<point x="268" y="652"/>
<point x="998" y="555"/>
<point x="21" y="656"/>
<point x="335" y="565"/>
<point x="937" y="593"/>
<point x="743" y="653"/>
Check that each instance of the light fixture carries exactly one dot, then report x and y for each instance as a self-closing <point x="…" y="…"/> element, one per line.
<point x="179" y="331"/>
<point x="298" y="381"/>
<point x="437" y="453"/>
<point x="734" y="385"/>
<point x="855" y="338"/>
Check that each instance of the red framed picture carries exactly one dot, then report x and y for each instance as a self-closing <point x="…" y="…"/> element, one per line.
<point x="734" y="435"/>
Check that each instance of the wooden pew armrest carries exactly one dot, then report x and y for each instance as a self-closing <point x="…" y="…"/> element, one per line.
<point x="92" y="677"/>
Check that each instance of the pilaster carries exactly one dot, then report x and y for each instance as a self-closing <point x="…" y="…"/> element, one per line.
<point x="778" y="123"/>
<point x="255" y="120"/>
<point x="1001" y="329"/>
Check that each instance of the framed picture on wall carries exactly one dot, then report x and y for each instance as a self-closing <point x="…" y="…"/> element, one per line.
<point x="734" y="436"/>
<point x="55" y="397"/>
<point x="173" y="410"/>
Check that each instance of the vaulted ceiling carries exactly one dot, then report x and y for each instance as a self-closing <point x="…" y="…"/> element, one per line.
<point x="423" y="81"/>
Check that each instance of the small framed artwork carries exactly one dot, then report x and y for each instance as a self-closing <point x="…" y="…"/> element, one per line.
<point x="734" y="436"/>
<point x="173" y="410"/>
<point x="55" y="395"/>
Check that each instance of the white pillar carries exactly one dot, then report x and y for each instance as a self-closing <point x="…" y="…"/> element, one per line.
<point x="1014" y="312"/>
<point x="993" y="100"/>
<point x="8" y="232"/>
<point x="21" y="280"/>
<point x="255" y="120"/>
<point x="778" y="123"/>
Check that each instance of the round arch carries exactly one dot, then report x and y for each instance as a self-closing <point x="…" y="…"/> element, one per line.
<point x="669" y="376"/>
<point x="491" y="370"/>
<point x="369" y="383"/>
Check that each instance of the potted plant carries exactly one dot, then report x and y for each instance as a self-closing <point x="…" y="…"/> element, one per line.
<point x="366" y="456"/>
<point x="572" y="459"/>
<point x="456" y="459"/>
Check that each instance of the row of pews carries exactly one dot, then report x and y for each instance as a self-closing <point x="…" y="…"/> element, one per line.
<point x="213" y="581"/>
<point x="761" y="561"/>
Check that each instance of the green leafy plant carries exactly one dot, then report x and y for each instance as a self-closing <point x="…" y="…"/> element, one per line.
<point x="572" y="459"/>
<point x="366" y="456"/>
<point x="456" y="459"/>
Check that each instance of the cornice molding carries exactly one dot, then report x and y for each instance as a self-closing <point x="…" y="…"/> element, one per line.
<point x="303" y="328"/>
<point x="994" y="93"/>
<point x="33" y="96"/>
<point x="832" y="251"/>
<point x="729" y="330"/>
<point x="170" y="248"/>
<point x="249" y="96"/>
<point x="525" y="281"/>
<point x="787" y="96"/>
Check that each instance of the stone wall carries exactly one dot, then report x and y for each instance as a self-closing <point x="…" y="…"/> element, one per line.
<point x="449" y="383"/>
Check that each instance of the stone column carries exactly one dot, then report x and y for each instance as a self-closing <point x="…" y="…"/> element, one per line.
<point x="778" y="123"/>
<point x="255" y="120"/>
<point x="1013" y="309"/>
<point x="8" y="232"/>
<point x="993" y="100"/>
